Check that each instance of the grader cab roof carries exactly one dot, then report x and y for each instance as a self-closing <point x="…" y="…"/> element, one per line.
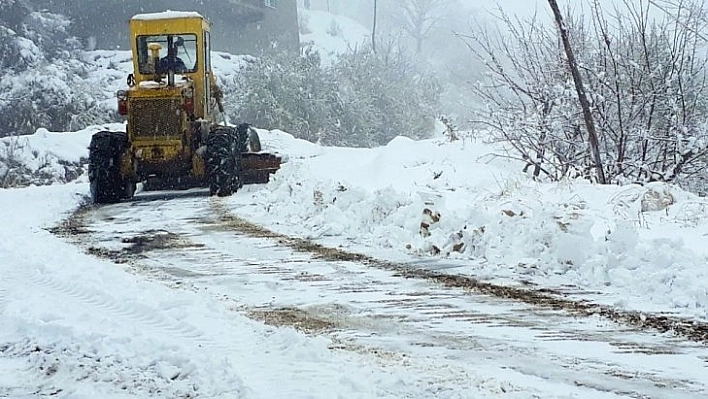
<point x="167" y="15"/>
<point x="169" y="22"/>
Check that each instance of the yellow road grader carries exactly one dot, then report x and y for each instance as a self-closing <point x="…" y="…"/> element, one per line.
<point x="173" y="109"/>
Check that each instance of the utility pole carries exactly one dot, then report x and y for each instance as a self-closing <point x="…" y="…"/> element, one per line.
<point x="373" y="29"/>
<point x="580" y="89"/>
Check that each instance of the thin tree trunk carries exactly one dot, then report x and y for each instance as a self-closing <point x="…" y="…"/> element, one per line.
<point x="373" y="29"/>
<point x="580" y="89"/>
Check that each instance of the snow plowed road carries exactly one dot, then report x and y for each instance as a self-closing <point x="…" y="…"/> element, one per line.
<point x="444" y="337"/>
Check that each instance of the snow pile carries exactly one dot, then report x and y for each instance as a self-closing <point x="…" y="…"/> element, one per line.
<point x="45" y="157"/>
<point x="635" y="247"/>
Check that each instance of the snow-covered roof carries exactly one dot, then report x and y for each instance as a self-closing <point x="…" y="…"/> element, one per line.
<point x="167" y="15"/>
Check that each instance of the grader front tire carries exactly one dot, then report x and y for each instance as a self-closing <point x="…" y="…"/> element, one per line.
<point x="105" y="151"/>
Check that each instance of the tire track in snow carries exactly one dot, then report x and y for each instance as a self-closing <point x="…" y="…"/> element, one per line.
<point x="436" y="320"/>
<point x="3" y="291"/>
<point x="430" y="315"/>
<point x="433" y="316"/>
<point x="691" y="329"/>
<point x="8" y="281"/>
<point x="136" y="313"/>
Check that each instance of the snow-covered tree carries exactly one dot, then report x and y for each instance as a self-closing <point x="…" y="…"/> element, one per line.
<point x="645" y="82"/>
<point x="420" y="18"/>
<point x="13" y="12"/>
<point x="11" y="46"/>
<point x="41" y="84"/>
<point x="382" y="95"/>
<point x="283" y="92"/>
<point x="362" y="99"/>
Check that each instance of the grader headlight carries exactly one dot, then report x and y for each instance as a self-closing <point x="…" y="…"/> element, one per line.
<point x="122" y="102"/>
<point x="188" y="95"/>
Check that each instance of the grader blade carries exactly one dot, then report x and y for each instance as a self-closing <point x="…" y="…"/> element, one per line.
<point x="256" y="168"/>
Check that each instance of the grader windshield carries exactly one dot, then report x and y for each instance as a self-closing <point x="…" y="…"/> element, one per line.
<point x="184" y="48"/>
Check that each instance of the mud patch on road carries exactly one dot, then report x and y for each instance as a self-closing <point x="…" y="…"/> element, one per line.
<point x="75" y="224"/>
<point x="73" y="228"/>
<point x="299" y="319"/>
<point x="690" y="329"/>
<point x="351" y="345"/>
<point x="104" y="253"/>
<point x="306" y="277"/>
<point x="153" y="240"/>
<point x="138" y="245"/>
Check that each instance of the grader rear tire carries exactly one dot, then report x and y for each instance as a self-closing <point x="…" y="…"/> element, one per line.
<point x="223" y="161"/>
<point x="106" y="183"/>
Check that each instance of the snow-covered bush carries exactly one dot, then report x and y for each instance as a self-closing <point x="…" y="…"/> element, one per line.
<point x="380" y="96"/>
<point x="363" y="99"/>
<point x="282" y="92"/>
<point x="50" y="33"/>
<point x="23" y="165"/>
<point x="41" y="77"/>
<point x="13" y="11"/>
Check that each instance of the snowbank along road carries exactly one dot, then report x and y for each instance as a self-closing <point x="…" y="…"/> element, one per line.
<point x="446" y="331"/>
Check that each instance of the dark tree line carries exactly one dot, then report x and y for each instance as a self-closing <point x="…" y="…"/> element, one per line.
<point x="105" y="22"/>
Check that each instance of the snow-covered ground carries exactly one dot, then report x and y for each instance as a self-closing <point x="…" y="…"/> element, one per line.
<point x="93" y="329"/>
<point x="331" y="34"/>
<point x="619" y="241"/>
<point x="76" y="326"/>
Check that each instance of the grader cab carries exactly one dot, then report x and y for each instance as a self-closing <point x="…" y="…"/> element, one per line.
<point x="176" y="133"/>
